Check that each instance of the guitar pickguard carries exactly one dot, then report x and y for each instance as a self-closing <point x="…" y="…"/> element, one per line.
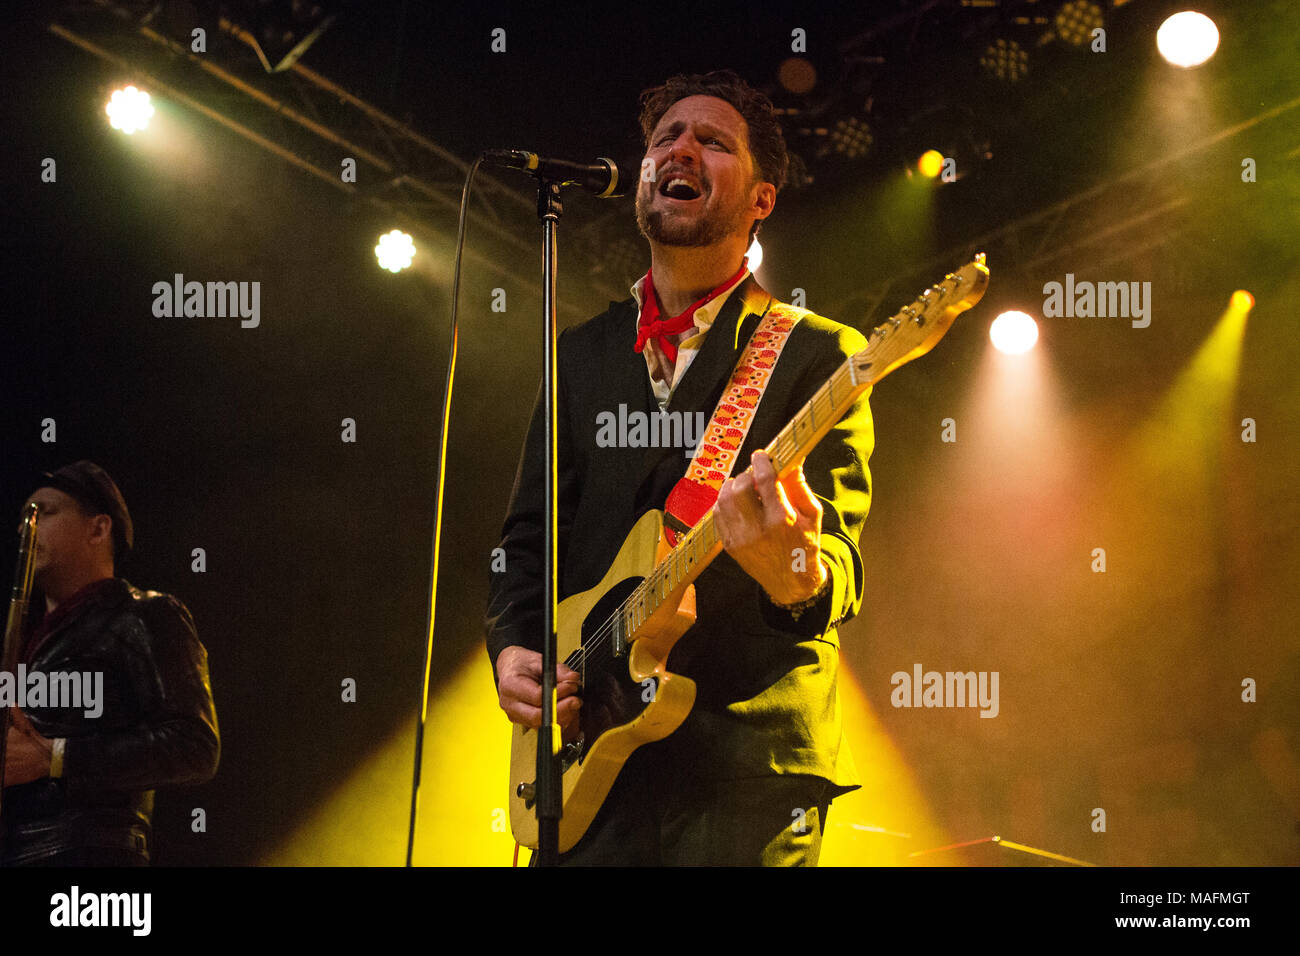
<point x="610" y="697"/>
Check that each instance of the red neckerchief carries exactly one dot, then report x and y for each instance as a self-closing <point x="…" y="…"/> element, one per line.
<point x="651" y="326"/>
<point x="65" y="610"/>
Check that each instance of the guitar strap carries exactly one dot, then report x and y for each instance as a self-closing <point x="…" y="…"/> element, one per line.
<point x="715" y="456"/>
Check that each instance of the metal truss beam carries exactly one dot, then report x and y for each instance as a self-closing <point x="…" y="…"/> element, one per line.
<point x="1115" y="220"/>
<point x="312" y="123"/>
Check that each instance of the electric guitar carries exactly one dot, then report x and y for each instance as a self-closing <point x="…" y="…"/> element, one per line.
<point x="618" y="635"/>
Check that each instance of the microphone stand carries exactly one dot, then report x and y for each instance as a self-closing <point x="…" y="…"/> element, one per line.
<point x="606" y="181"/>
<point x="549" y="794"/>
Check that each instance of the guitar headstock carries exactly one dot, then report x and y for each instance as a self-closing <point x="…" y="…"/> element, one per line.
<point x="915" y="328"/>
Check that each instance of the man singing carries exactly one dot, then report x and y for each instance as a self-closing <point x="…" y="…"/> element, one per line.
<point x="748" y="777"/>
<point x="79" y="777"/>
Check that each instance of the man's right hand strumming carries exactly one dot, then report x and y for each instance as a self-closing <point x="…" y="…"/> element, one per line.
<point x="519" y="685"/>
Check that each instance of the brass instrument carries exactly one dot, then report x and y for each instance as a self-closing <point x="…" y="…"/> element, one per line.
<point x="24" y="572"/>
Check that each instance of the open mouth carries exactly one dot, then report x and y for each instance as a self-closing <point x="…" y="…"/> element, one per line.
<point x="679" y="188"/>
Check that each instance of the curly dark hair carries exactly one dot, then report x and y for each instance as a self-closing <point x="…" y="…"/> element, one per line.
<point x="766" y="142"/>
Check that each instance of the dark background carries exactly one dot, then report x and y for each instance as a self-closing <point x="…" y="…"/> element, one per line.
<point x="317" y="550"/>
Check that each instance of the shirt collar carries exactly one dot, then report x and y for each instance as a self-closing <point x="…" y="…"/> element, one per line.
<point x="705" y="314"/>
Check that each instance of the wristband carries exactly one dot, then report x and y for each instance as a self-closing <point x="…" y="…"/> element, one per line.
<point x="797" y="609"/>
<point x="56" y="757"/>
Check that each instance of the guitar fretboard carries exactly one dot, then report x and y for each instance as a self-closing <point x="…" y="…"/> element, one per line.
<point x="701" y="544"/>
<point x="909" y="333"/>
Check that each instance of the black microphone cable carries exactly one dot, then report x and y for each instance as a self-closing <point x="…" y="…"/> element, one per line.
<point x="437" y="508"/>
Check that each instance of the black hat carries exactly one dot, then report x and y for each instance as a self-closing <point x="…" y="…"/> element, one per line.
<point x="91" y="485"/>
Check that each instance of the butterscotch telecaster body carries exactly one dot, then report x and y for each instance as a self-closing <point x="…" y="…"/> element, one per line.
<point x="627" y="699"/>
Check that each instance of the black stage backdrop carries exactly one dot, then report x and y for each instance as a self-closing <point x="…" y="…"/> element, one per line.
<point x="230" y="439"/>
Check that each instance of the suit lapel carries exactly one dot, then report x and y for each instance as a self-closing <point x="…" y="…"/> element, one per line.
<point x="628" y="365"/>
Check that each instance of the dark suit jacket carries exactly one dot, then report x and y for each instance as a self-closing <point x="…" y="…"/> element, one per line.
<point x="767" y="692"/>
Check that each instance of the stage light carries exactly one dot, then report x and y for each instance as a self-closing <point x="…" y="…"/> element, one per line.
<point x="930" y="163"/>
<point x="1006" y="60"/>
<point x="797" y="75"/>
<point x="851" y="137"/>
<point x="755" y="255"/>
<point x="1076" y="20"/>
<point x="129" y="110"/>
<point x="395" y="251"/>
<point x="1187" y="39"/>
<point x="1013" y="333"/>
<point x="1242" y="301"/>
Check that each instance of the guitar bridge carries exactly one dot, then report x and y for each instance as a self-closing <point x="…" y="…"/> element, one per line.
<point x="572" y="753"/>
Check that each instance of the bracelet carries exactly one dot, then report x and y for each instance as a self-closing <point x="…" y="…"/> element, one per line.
<point x="56" y="757"/>
<point x="797" y="609"/>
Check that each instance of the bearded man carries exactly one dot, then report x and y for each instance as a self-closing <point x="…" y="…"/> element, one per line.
<point x="748" y="778"/>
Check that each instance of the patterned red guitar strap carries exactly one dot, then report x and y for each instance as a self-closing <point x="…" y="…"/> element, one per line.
<point x="715" y="456"/>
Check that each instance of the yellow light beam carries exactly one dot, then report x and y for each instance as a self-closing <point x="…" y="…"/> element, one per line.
<point x="466" y="773"/>
<point x="1182" y="438"/>
<point x="1164" y="494"/>
<point x="463" y="818"/>
<point x="889" y="817"/>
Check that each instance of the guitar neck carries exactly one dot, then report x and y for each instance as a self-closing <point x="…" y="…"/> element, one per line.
<point x="699" y="546"/>
<point x="904" y="336"/>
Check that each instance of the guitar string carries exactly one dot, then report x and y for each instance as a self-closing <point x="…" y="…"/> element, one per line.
<point x="826" y="393"/>
<point x="584" y="650"/>
<point x="597" y="639"/>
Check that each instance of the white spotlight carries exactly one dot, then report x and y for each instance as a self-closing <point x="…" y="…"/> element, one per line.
<point x="129" y="110"/>
<point x="395" y="251"/>
<point x="1013" y="333"/>
<point x="1187" y="39"/>
<point x="755" y="255"/>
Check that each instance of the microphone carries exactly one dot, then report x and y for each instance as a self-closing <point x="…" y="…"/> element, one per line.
<point x="605" y="178"/>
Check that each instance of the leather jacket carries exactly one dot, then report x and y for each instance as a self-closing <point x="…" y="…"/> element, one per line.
<point x="157" y="726"/>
